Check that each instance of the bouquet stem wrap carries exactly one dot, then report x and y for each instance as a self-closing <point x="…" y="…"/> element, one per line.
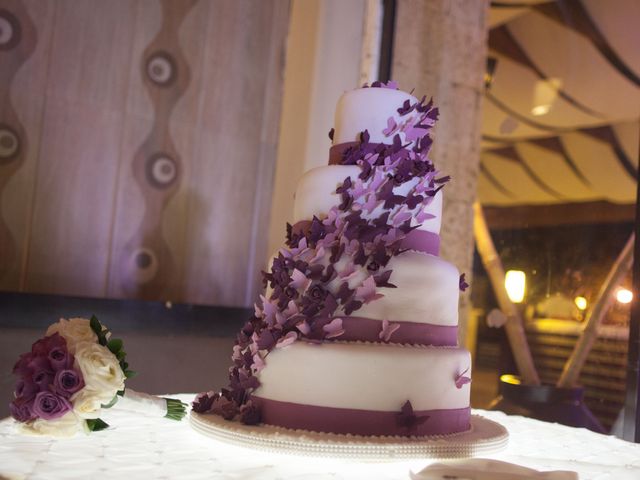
<point x="151" y="405"/>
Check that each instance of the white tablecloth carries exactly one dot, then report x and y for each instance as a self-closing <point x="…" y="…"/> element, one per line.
<point x="141" y="448"/>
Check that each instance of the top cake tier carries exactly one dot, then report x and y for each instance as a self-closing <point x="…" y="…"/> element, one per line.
<point x="369" y="109"/>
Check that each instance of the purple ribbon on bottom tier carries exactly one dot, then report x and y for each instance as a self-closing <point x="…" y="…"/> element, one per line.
<point x="361" y="422"/>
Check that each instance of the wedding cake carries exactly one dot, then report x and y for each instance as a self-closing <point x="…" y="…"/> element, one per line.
<point x="357" y="331"/>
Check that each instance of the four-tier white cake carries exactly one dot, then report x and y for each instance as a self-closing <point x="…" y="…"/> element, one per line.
<point x="357" y="330"/>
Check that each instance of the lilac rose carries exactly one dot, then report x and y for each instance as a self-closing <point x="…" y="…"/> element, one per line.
<point x="67" y="382"/>
<point x="22" y="409"/>
<point x="50" y="406"/>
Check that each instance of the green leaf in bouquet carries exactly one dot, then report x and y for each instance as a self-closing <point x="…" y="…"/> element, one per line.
<point x="95" y="425"/>
<point x="95" y="325"/>
<point x="120" y="356"/>
<point x="120" y="393"/>
<point x="130" y="373"/>
<point x="113" y="401"/>
<point x="115" y="345"/>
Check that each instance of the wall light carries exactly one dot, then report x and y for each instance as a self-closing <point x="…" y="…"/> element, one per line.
<point x="581" y="303"/>
<point x="539" y="110"/>
<point x="545" y="93"/>
<point x="624" y="296"/>
<point x="515" y="283"/>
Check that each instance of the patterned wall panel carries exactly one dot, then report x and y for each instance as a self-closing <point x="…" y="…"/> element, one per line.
<point x="18" y="39"/>
<point x="137" y="146"/>
<point x="231" y="170"/>
<point x="85" y="91"/>
<point x="144" y="264"/>
<point x="197" y="238"/>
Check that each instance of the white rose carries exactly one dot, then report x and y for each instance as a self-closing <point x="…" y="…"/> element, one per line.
<point x="87" y="403"/>
<point x="100" y="370"/>
<point x="74" y="331"/>
<point x="66" y="426"/>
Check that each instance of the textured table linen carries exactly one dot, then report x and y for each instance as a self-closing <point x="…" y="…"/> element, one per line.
<point x="139" y="447"/>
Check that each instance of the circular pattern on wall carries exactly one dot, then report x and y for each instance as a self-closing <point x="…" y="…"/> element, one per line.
<point x="145" y="265"/>
<point x="9" y="143"/>
<point x="9" y="30"/>
<point x="161" y="170"/>
<point x="161" y="69"/>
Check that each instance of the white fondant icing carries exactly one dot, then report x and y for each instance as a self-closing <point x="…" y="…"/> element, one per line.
<point x="366" y="376"/>
<point x="315" y="195"/>
<point x="368" y="109"/>
<point x="427" y="291"/>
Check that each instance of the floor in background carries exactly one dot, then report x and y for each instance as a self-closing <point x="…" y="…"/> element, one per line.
<point x="484" y="387"/>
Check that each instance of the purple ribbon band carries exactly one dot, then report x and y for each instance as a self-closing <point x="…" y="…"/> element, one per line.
<point x="414" y="333"/>
<point x="418" y="240"/>
<point x="360" y="422"/>
<point x="422" y="241"/>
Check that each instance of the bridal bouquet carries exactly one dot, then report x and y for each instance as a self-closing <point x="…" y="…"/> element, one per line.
<point x="71" y="374"/>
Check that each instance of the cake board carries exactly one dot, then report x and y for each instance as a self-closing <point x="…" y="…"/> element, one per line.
<point x="485" y="437"/>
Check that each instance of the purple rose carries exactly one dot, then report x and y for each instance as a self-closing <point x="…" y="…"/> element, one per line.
<point x="21" y="368"/>
<point x="67" y="382"/>
<point x="281" y="277"/>
<point x="43" y="346"/>
<point x="22" y="409"/>
<point x="39" y="363"/>
<point x="204" y="401"/>
<point x="227" y="409"/>
<point x="43" y="379"/>
<point x="317" y="293"/>
<point x="26" y="389"/>
<point x="49" y="406"/>
<point x="250" y="414"/>
<point x="60" y="358"/>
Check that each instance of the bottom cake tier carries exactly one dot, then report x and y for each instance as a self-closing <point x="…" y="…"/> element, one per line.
<point x="363" y="389"/>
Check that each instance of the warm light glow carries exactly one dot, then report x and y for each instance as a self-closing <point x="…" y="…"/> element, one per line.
<point x="539" y="110"/>
<point x="581" y="303"/>
<point x="545" y="94"/>
<point x="514" y="282"/>
<point x="624" y="296"/>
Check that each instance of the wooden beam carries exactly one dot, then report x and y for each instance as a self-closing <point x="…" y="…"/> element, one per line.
<point x="530" y="216"/>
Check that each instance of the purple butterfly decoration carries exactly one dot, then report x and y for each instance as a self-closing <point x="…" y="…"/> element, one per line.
<point x="333" y="329"/>
<point x="258" y="363"/>
<point x="392" y="126"/>
<point x="388" y="329"/>
<point x="299" y="280"/>
<point x="367" y="291"/>
<point x="304" y="327"/>
<point x="408" y="419"/>
<point x="462" y="380"/>
<point x="422" y="216"/>
<point x="288" y="339"/>
<point x="463" y="283"/>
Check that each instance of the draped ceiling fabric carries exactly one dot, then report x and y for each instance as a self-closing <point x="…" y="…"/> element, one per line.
<point x="576" y="63"/>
